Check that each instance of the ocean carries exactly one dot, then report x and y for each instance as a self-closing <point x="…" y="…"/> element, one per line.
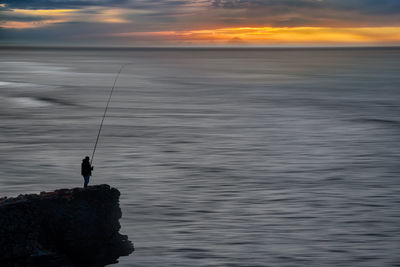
<point x="224" y="157"/>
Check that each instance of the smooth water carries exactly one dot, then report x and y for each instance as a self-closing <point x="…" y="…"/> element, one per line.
<point x="279" y="157"/>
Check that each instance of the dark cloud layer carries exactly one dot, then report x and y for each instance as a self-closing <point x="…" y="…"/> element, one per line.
<point x="361" y="13"/>
<point x="60" y="4"/>
<point x="56" y="4"/>
<point x="364" y="6"/>
<point x="373" y="7"/>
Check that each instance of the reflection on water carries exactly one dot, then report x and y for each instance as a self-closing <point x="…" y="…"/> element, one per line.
<point x="223" y="157"/>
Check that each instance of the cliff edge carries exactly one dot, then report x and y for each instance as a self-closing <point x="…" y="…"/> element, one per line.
<point x="67" y="227"/>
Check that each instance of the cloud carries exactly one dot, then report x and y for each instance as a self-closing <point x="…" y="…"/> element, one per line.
<point x="171" y="21"/>
<point x="267" y="35"/>
<point x="315" y="12"/>
<point x="134" y="4"/>
<point x="60" y="4"/>
<point x="361" y="6"/>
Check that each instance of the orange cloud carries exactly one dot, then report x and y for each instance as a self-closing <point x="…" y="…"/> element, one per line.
<point x="48" y="16"/>
<point x="275" y="35"/>
<point x="44" y="12"/>
<point x="28" y="24"/>
<point x="51" y="16"/>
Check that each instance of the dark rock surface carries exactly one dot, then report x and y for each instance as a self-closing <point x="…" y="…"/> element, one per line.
<point x="68" y="227"/>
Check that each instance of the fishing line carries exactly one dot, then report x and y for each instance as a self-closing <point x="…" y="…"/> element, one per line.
<point x="105" y="112"/>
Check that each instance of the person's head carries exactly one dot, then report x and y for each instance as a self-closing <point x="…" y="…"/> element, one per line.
<point x="86" y="158"/>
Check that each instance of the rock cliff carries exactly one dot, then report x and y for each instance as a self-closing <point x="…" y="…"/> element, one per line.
<point x="68" y="227"/>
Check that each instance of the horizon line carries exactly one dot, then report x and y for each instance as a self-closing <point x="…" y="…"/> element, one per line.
<point x="196" y="47"/>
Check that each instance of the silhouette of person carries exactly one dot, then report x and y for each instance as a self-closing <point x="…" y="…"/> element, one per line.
<point x="86" y="170"/>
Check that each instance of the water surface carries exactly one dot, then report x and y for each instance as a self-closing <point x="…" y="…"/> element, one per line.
<point x="279" y="157"/>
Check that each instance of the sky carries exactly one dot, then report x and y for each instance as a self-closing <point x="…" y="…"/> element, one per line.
<point x="146" y="23"/>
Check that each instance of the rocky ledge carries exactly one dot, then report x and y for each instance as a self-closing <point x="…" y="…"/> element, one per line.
<point x="68" y="227"/>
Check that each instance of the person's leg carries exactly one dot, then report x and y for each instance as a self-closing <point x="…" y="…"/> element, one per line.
<point x="86" y="178"/>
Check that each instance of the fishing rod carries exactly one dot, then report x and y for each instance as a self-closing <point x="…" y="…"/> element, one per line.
<point x="105" y="111"/>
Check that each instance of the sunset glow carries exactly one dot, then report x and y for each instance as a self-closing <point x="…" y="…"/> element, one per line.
<point x="270" y="35"/>
<point x="195" y="22"/>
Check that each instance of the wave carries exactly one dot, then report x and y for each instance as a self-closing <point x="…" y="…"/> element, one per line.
<point x="34" y="102"/>
<point x="16" y="84"/>
<point x="375" y="120"/>
<point x="28" y="102"/>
